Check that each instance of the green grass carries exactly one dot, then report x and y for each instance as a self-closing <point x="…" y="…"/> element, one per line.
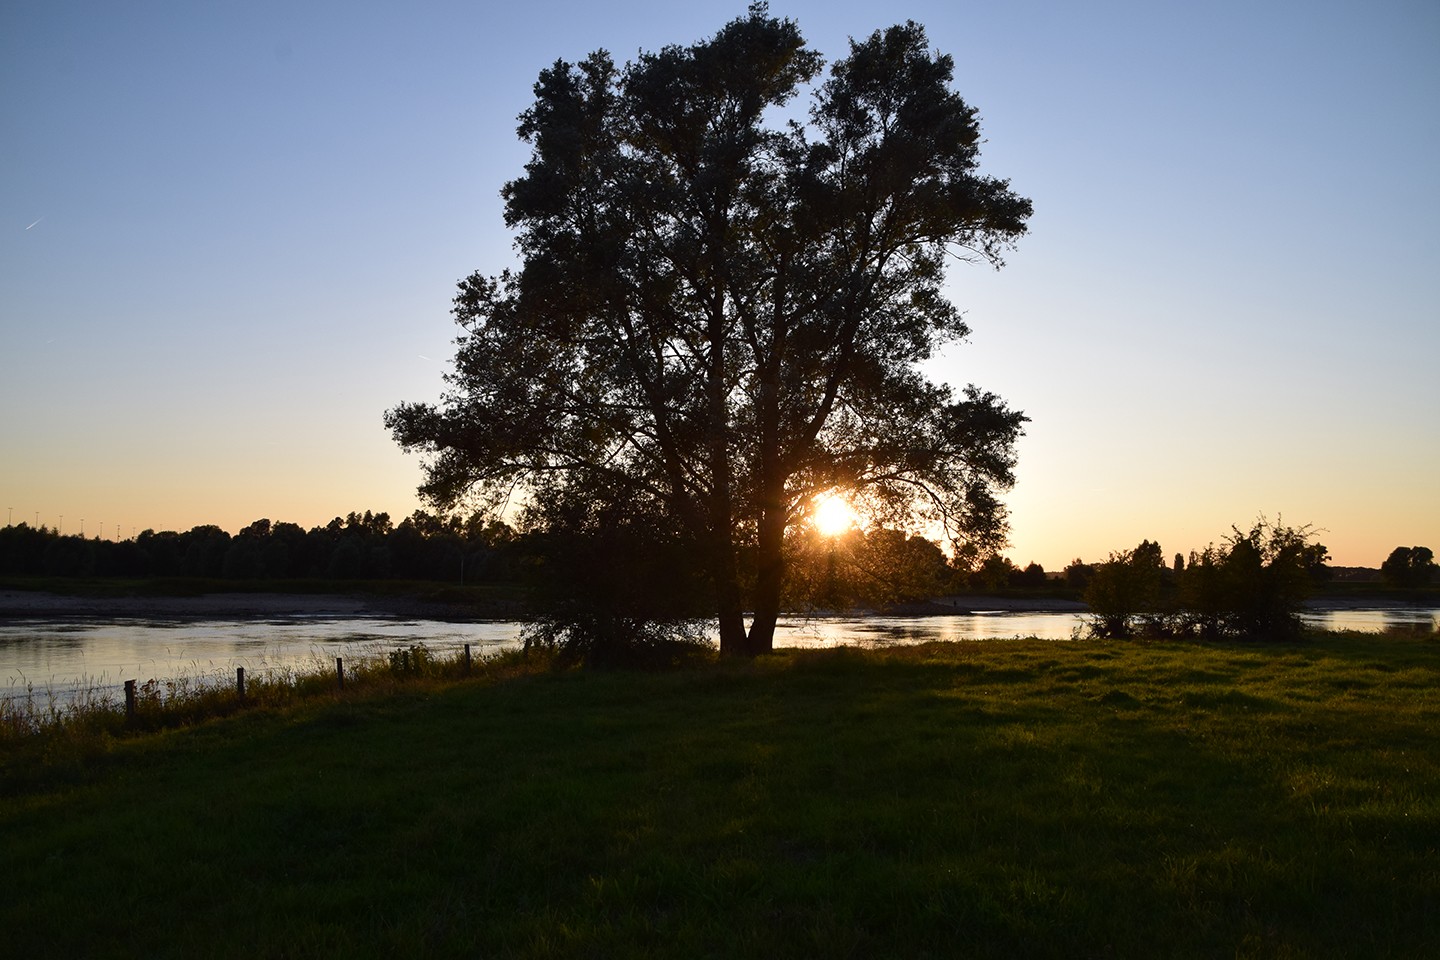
<point x="1000" y="799"/>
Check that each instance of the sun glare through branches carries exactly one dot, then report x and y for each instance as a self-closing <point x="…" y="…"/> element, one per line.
<point x="833" y="515"/>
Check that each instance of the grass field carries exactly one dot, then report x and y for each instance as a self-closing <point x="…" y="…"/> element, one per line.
<point x="997" y="799"/>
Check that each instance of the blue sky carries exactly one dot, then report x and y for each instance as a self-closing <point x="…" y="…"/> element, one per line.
<point x="230" y="232"/>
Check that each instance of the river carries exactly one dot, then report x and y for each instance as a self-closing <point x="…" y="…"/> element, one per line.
<point x="54" y="659"/>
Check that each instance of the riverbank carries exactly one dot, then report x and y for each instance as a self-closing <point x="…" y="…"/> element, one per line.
<point x="224" y="605"/>
<point x="42" y="605"/>
<point x="991" y="799"/>
<point x="46" y="605"/>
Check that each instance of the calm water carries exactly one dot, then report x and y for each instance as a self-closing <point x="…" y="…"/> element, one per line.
<point x="58" y="657"/>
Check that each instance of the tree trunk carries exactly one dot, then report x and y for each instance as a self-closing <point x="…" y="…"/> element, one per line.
<point x="733" y="641"/>
<point x="726" y="570"/>
<point x="769" y="578"/>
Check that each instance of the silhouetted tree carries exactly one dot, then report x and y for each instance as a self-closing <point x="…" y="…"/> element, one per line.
<point x="1317" y="562"/>
<point x="899" y="567"/>
<point x="245" y="557"/>
<point x="1031" y="578"/>
<point x="615" y="585"/>
<point x="1126" y="589"/>
<point x="1203" y="592"/>
<point x="286" y="543"/>
<point x="875" y="568"/>
<point x="1409" y="567"/>
<point x="162" y="553"/>
<point x="1265" y="579"/>
<point x="994" y="574"/>
<point x="1078" y="574"/>
<point x="205" y="548"/>
<point x="22" y="549"/>
<point x="725" y="318"/>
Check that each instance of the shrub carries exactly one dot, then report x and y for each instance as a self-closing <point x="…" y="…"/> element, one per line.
<point x="413" y="661"/>
<point x="1263" y="581"/>
<point x="1202" y="593"/>
<point x="600" y="638"/>
<point x="1253" y="585"/>
<point x="1126" y="588"/>
<point x="613" y="583"/>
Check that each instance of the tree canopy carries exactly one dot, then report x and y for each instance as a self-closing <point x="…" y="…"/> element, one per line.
<point x="719" y="313"/>
<point x="1409" y="567"/>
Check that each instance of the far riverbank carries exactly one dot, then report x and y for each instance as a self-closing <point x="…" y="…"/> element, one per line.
<point x="48" y="605"/>
<point x="44" y="605"/>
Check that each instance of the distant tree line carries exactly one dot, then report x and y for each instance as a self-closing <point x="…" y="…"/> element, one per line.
<point x="621" y="571"/>
<point x="627" y="565"/>
<point x="368" y="546"/>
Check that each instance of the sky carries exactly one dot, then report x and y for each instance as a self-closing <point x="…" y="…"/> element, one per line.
<point x="230" y="233"/>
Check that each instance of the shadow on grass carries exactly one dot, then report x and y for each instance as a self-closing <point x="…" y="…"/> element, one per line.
<point x="942" y="800"/>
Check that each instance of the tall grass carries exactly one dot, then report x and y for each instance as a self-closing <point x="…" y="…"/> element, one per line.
<point x="44" y="732"/>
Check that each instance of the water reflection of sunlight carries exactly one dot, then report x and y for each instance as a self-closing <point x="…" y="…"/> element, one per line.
<point x="875" y="631"/>
<point x="100" y="655"/>
<point x="57" y="658"/>
<point x="1390" y="620"/>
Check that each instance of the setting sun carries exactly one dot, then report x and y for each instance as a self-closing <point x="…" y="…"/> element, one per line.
<point x="832" y="515"/>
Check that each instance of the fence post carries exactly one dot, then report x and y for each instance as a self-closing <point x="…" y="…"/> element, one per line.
<point x="130" y="700"/>
<point x="467" y="658"/>
<point x="340" y="673"/>
<point x="240" y="682"/>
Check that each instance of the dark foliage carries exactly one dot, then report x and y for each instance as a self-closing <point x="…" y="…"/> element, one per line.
<point x="359" y="546"/>
<point x="875" y="569"/>
<point x="614" y="586"/>
<point x="1409" y="567"/>
<point x="1251" y="586"/>
<point x="1126" y="590"/>
<point x="723" y="319"/>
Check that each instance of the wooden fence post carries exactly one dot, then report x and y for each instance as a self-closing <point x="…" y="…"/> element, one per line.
<point x="467" y="658"/>
<point x="340" y="673"/>
<point x="129" y="699"/>
<point x="240" y="683"/>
